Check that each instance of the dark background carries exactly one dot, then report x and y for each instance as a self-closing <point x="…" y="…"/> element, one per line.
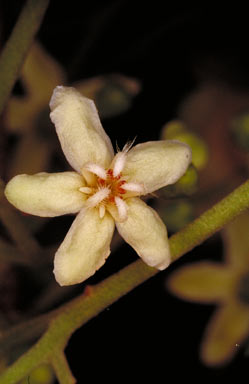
<point x="170" y="48"/>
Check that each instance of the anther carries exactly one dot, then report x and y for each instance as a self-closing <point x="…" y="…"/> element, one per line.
<point x="101" y="182"/>
<point x="110" y="173"/>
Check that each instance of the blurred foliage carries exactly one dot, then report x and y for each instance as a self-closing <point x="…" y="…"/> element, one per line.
<point x="39" y="76"/>
<point x="240" y="130"/>
<point x="177" y="214"/>
<point x="177" y="130"/>
<point x="185" y="186"/>
<point x="224" y="284"/>
<point x="113" y="94"/>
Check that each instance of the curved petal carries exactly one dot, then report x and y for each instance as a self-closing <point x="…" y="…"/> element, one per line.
<point x="85" y="247"/>
<point x="146" y="233"/>
<point x="156" y="164"/>
<point x="46" y="194"/>
<point x="201" y="282"/>
<point x="227" y="330"/>
<point x="79" y="129"/>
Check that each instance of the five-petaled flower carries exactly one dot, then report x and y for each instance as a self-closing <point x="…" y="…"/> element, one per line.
<point x="104" y="189"/>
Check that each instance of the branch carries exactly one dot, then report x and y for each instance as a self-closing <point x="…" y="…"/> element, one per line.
<point x="61" y="368"/>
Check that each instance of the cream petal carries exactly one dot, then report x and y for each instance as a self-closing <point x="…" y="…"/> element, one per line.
<point x="79" y="129"/>
<point x="85" y="247"/>
<point x="202" y="282"/>
<point x="228" y="328"/>
<point x="146" y="233"/>
<point x="156" y="164"/>
<point x="45" y="194"/>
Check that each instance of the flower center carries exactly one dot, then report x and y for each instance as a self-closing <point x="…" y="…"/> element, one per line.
<point x="107" y="189"/>
<point x="114" y="184"/>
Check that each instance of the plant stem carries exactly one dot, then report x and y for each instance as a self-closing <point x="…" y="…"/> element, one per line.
<point x="61" y="368"/>
<point x="80" y="310"/>
<point x="16" y="48"/>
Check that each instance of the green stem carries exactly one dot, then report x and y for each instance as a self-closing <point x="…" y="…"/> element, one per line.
<point x="16" y="48"/>
<point x="80" y="310"/>
<point x="61" y="368"/>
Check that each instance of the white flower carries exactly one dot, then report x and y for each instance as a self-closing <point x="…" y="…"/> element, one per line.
<point x="104" y="190"/>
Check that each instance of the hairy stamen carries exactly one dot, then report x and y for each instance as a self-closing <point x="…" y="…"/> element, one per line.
<point x="99" y="196"/>
<point x="96" y="169"/>
<point x="120" y="158"/>
<point x="119" y="162"/>
<point x="122" y="208"/>
<point x="128" y="145"/>
<point x="134" y="187"/>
